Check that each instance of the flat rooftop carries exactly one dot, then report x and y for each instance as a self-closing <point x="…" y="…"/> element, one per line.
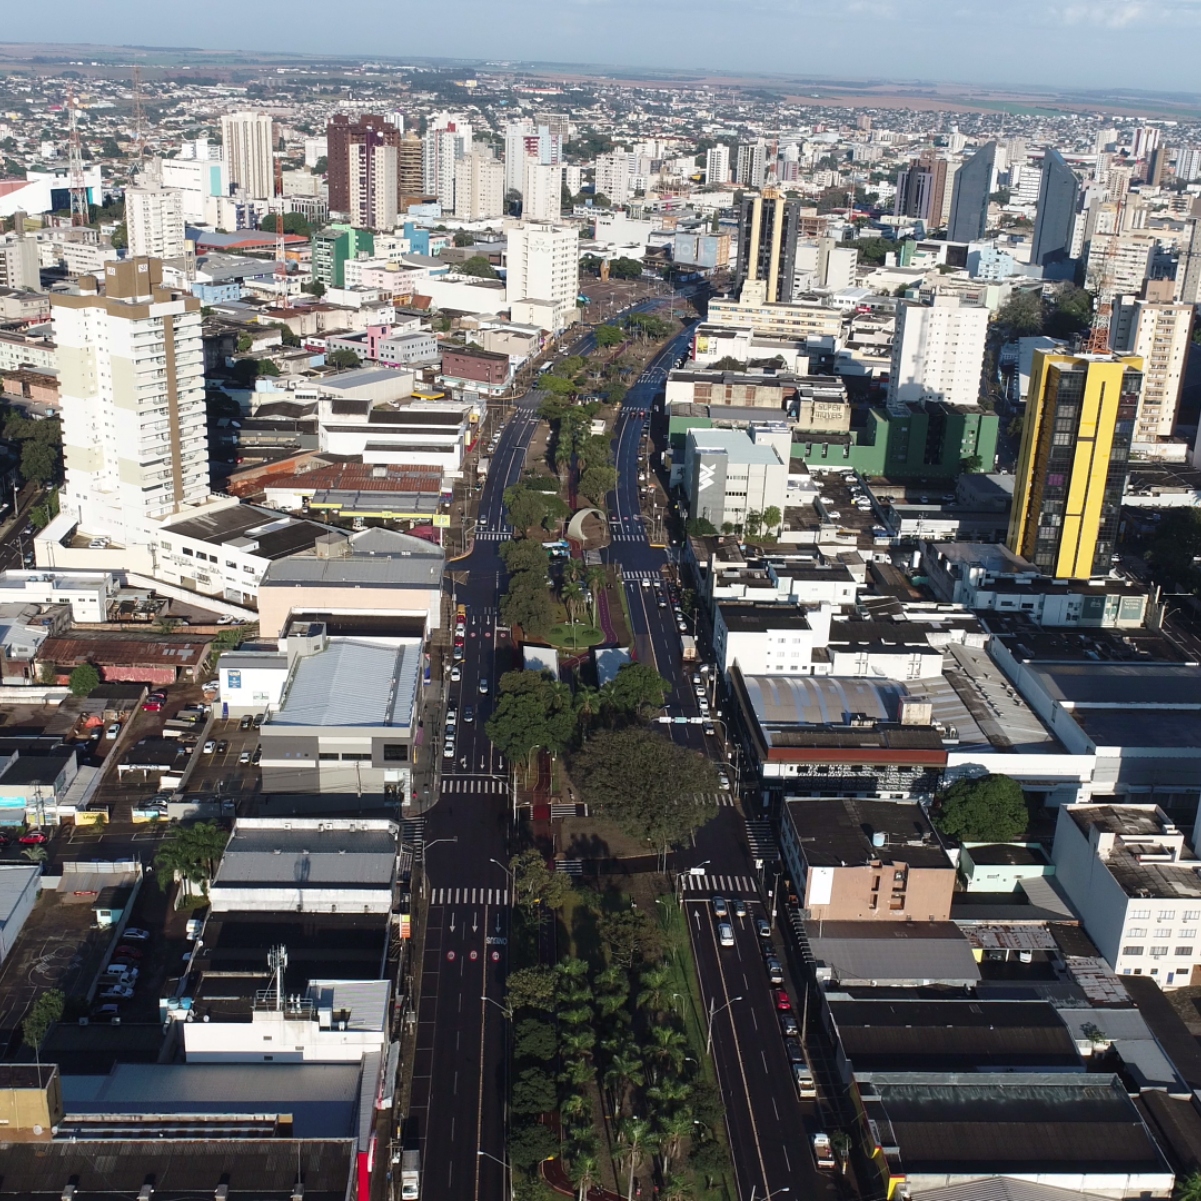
<point x="839" y="832"/>
<point x="736" y="445"/>
<point x="951" y="1036"/>
<point x="354" y="682"/>
<point x="1128" y="685"/>
<point x="888" y="952"/>
<point x="756" y="619"/>
<point x="254" y="529"/>
<point x="1134" y="860"/>
<point x="267" y="857"/>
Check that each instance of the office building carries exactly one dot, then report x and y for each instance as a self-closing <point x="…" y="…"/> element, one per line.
<point x="543" y="264"/>
<point x="1159" y="332"/>
<point x="717" y="165"/>
<point x="938" y="351"/>
<point x="1120" y="263"/>
<point x="920" y="189"/>
<point x="613" y="177"/>
<point x="410" y="166"/>
<point x="768" y="225"/>
<point x="1058" y="192"/>
<point x="541" y="191"/>
<point x="1071" y="469"/>
<point x="479" y="185"/>
<point x="359" y="139"/>
<point x="155" y="223"/>
<point x="19" y="267"/>
<point x="969" y="196"/>
<point x="1145" y="142"/>
<point x="751" y="167"/>
<point x="134" y="427"/>
<point x="730" y="472"/>
<point x="249" y="153"/>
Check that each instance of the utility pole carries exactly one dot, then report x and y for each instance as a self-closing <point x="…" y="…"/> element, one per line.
<point x="139" y="123"/>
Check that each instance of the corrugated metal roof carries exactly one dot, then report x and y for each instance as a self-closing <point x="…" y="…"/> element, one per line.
<point x="365" y="1001"/>
<point x="898" y="951"/>
<point x="353" y="682"/>
<point x="14" y="881"/>
<point x="308" y="858"/>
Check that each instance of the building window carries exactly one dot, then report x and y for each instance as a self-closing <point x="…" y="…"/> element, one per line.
<point x="1139" y="914"/>
<point x="1163" y="932"/>
<point x="354" y="756"/>
<point x="185" y="551"/>
<point x="1188" y="932"/>
<point x="1167" y="915"/>
<point x="1132" y="952"/>
<point x="1137" y="932"/>
<point x="1158" y="952"/>
<point x="1184" y="952"/>
<point x="327" y="755"/>
<point x="1192" y="915"/>
<point x="395" y="752"/>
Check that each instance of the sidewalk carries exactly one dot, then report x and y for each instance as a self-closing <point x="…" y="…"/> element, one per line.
<point x="556" y="1176"/>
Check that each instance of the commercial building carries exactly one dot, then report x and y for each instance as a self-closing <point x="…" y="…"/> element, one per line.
<point x="471" y="369"/>
<point x="1134" y="881"/>
<point x="1160" y="333"/>
<point x="1058" y="194"/>
<point x="410" y="168"/>
<point x="444" y="145"/>
<point x="938" y="352"/>
<point x="729" y="473"/>
<point x="307" y="865"/>
<point x="154" y="218"/>
<point x="131" y="367"/>
<point x="1071" y="469"/>
<point x="479" y="185"/>
<point x="376" y="580"/>
<point x="19" y="888"/>
<point x="790" y="321"/>
<point x="768" y="226"/>
<point x="921" y="187"/>
<point x="969" y="197"/>
<point x="866" y="861"/>
<point x="333" y="248"/>
<point x="347" y="721"/>
<point x="200" y="182"/>
<point x="543" y="265"/>
<point x="249" y="147"/>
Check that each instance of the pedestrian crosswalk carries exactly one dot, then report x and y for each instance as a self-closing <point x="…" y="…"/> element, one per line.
<point x="721" y="799"/>
<point x="412" y="834"/>
<point x="761" y="840"/>
<point x="641" y="575"/>
<point x="483" y="785"/>
<point x="493" y="535"/>
<point x="469" y="896"/>
<point x="721" y="885"/>
<point x="639" y="537"/>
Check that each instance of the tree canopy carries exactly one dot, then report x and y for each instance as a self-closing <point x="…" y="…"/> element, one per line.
<point x="533" y="713"/>
<point x="477" y="265"/>
<point x="987" y="809"/>
<point x="608" y="335"/>
<point x="535" y="883"/>
<point x="294" y="223"/>
<point x="654" y="790"/>
<point x="43" y="1013"/>
<point x="343" y="358"/>
<point x="625" y="268"/>
<point x="190" y="854"/>
<point x="84" y="679"/>
<point x="637" y="689"/>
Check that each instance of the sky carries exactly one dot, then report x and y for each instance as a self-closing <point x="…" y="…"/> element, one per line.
<point x="1105" y="44"/>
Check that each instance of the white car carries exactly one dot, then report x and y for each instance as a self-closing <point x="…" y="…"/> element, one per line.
<point x="448" y="750"/>
<point x="114" y="729"/>
<point x="117" y="992"/>
<point x="210" y="747"/>
<point x="456" y="674"/>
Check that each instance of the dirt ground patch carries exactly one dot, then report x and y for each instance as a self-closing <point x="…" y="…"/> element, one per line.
<point x="595" y="838"/>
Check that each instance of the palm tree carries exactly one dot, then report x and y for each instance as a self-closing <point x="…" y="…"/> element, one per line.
<point x="634" y="1139"/>
<point x="1188" y="1189"/>
<point x="587" y="707"/>
<point x="674" y="1128"/>
<point x="578" y="1042"/>
<point x="596" y="579"/>
<point x="36" y="854"/>
<point x="669" y="1093"/>
<point x="655" y="984"/>
<point x="625" y="1071"/>
<point x="667" y="1049"/>
<point x="578" y="1073"/>
<point x="576" y="1107"/>
<point x="583" y="1173"/>
<point x="573" y="598"/>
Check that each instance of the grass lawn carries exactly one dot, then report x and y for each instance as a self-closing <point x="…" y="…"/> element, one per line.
<point x="575" y="637"/>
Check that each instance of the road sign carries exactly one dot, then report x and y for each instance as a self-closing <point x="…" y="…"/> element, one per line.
<point x="495" y="956"/>
<point x="494" y="940"/>
<point x="474" y="956"/>
<point x="450" y="956"/>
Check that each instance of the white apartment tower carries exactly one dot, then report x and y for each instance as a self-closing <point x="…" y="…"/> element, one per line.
<point x="19" y="267"/>
<point x="717" y="165"/>
<point x="249" y="153"/>
<point x="541" y="192"/>
<point x="131" y="372"/>
<point x="446" y="141"/>
<point x="372" y="178"/>
<point x="479" y="185"/>
<point x="613" y="177"/>
<point x="751" y="167"/>
<point x="1159" y="332"/>
<point x="155" y="223"/>
<point x="525" y="140"/>
<point x="938" y="352"/>
<point x="543" y="264"/>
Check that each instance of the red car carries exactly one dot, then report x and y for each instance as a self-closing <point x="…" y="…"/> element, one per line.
<point x="152" y="706"/>
<point x="33" y="838"/>
<point x="129" y="953"/>
<point x="783" y="1004"/>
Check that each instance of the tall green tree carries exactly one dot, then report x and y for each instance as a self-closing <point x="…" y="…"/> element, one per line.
<point x="85" y="679"/>
<point x="536" y="884"/>
<point x="190" y="854"/>
<point x="42" y="1015"/>
<point x="988" y="809"/>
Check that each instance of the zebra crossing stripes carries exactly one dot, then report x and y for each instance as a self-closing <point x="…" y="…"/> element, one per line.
<point x="493" y="535"/>
<point x="484" y="785"/>
<point x="412" y="833"/>
<point x="469" y="896"/>
<point x="760" y="839"/>
<point x="639" y="537"/>
<point x="642" y="575"/>
<point x="723" y="885"/>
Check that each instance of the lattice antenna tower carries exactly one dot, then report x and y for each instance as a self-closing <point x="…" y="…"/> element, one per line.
<point x="139" y="122"/>
<point x="76" y="182"/>
<point x="1098" y="338"/>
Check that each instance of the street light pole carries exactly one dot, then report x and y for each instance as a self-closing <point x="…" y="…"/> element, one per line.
<point x="786" y="1189"/>
<point x="713" y="1014"/>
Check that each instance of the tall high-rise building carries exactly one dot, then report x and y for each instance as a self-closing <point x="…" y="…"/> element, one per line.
<point x="410" y="160"/>
<point x="613" y="176"/>
<point x="131" y="370"/>
<point x="19" y="266"/>
<point x="1159" y="332"/>
<point x="516" y="133"/>
<point x="344" y="137"/>
<point x="479" y="185"/>
<point x="717" y="164"/>
<point x="768" y="226"/>
<point x="372" y="184"/>
<point x="969" y="197"/>
<point x="1071" y="470"/>
<point x="541" y="191"/>
<point x="751" y="166"/>
<point x="938" y="352"/>
<point x="1058" y="192"/>
<point x="1188" y="164"/>
<point x="444" y="146"/>
<point x="543" y="263"/>
<point x="1145" y="140"/>
<point x="1157" y="166"/>
<point x="920" y="188"/>
<point x="249" y="153"/>
<point x="1188" y="268"/>
<point x="154" y="222"/>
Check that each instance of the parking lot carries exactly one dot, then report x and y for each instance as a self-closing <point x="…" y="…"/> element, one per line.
<point x="221" y="773"/>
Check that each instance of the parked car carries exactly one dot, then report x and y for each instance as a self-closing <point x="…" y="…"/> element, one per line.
<point x="125" y="952"/>
<point x="775" y="971"/>
<point x="788" y="1024"/>
<point x="780" y="1000"/>
<point x="117" y="992"/>
<point x="122" y="972"/>
<point x="151" y="705"/>
<point x="244" y="724"/>
<point x="105" y="1013"/>
<point x="33" y="838"/>
<point x="210" y="747"/>
<point x="258" y="754"/>
<point x="114" y="729"/>
<point x="136" y="934"/>
<point x="763" y="927"/>
<point x="456" y="674"/>
<point x="719" y="907"/>
<point x="244" y="758"/>
<point x="739" y="907"/>
<point x="222" y="746"/>
<point x="258" y="720"/>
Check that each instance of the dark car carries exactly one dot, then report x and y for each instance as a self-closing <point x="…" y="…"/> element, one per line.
<point x="222" y="746"/>
<point x="788" y="1025"/>
<point x="258" y="720"/>
<point x="792" y="1048"/>
<point x="244" y="724"/>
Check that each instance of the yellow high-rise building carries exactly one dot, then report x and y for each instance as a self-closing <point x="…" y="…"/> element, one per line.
<point x="1071" y="470"/>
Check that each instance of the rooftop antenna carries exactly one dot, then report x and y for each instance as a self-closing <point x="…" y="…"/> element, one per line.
<point x="76" y="181"/>
<point x="277" y="960"/>
<point x="1098" y="338"/>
